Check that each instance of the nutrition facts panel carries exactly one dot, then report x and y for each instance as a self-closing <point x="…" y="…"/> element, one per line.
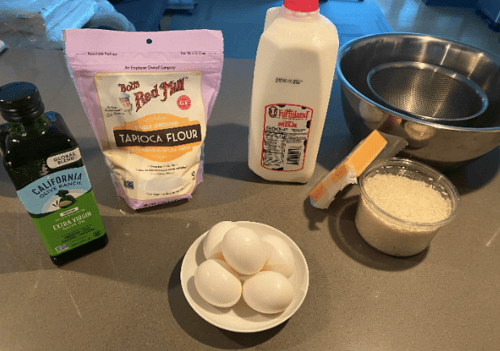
<point x="285" y="136"/>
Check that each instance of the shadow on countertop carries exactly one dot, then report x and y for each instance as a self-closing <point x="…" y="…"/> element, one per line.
<point x="340" y="216"/>
<point x="205" y="332"/>
<point x="477" y="173"/>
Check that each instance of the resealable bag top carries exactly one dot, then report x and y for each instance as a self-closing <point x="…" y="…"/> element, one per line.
<point x="148" y="97"/>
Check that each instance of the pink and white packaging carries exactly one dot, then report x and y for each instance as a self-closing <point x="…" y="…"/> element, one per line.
<point x="148" y="97"/>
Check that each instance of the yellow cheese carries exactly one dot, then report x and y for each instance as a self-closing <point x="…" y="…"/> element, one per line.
<point x="348" y="170"/>
<point x="334" y="177"/>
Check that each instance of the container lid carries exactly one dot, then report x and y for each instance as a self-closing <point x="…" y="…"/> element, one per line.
<point x="302" y="5"/>
<point x="20" y="102"/>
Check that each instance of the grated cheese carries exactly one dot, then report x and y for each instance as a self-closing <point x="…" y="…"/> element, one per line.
<point x="407" y="199"/>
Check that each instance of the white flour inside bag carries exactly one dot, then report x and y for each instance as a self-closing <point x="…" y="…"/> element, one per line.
<point x="148" y="97"/>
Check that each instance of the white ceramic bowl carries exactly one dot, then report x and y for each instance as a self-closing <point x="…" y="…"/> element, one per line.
<point x="240" y="317"/>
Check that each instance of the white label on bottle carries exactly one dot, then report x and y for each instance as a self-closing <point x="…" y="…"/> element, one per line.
<point x="64" y="159"/>
<point x="286" y="131"/>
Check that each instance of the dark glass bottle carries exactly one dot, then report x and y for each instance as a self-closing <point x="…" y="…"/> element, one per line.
<point x="43" y="160"/>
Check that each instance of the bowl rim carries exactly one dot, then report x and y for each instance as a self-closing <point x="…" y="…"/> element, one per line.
<point x="409" y="164"/>
<point x="437" y="69"/>
<point x="345" y="83"/>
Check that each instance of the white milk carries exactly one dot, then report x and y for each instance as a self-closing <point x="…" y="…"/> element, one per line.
<point x="271" y="15"/>
<point x="293" y="77"/>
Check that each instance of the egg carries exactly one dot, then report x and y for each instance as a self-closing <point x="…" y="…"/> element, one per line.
<point x="280" y="256"/>
<point x="244" y="251"/>
<point x="217" y="283"/>
<point x="213" y="239"/>
<point x="268" y="292"/>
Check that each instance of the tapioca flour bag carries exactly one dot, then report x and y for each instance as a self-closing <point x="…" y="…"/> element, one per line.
<point x="148" y="97"/>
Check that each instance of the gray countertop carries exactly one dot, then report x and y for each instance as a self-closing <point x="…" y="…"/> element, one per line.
<point x="128" y="296"/>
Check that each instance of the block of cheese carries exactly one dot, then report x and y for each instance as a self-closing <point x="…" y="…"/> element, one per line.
<point x="348" y="171"/>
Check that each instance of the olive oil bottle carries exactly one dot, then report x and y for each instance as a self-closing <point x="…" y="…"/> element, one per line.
<point x="43" y="160"/>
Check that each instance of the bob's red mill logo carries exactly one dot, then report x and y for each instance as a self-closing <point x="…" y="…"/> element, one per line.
<point x="164" y="90"/>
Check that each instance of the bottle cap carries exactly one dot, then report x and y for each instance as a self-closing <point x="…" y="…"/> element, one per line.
<point x="20" y="102"/>
<point x="302" y="5"/>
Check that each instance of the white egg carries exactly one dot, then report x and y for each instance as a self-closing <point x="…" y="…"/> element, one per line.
<point x="280" y="256"/>
<point x="268" y="292"/>
<point x="244" y="251"/>
<point x="212" y="242"/>
<point x="217" y="283"/>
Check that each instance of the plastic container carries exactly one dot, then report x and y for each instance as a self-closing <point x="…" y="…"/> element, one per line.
<point x="293" y="76"/>
<point x="395" y="229"/>
<point x="44" y="162"/>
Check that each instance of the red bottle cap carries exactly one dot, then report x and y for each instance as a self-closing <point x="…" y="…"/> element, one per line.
<point x="302" y="5"/>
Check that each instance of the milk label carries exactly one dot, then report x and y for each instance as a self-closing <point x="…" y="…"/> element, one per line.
<point x="286" y="130"/>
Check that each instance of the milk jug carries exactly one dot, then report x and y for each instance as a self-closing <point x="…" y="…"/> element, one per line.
<point x="293" y="76"/>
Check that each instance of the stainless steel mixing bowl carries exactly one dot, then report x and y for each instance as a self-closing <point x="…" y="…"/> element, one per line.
<point x="440" y="145"/>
